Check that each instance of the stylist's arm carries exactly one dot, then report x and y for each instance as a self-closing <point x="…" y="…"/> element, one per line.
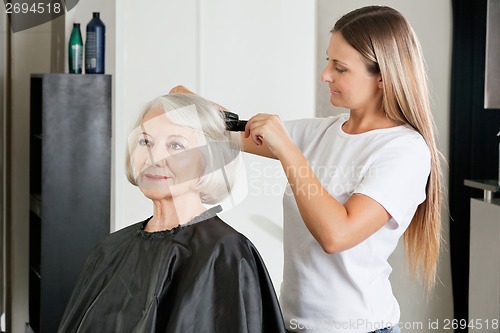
<point x="335" y="226"/>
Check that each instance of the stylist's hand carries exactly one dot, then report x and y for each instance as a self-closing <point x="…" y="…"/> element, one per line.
<point x="268" y="130"/>
<point x="180" y="90"/>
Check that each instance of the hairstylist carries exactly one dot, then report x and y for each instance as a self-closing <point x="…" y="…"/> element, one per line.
<point x="358" y="181"/>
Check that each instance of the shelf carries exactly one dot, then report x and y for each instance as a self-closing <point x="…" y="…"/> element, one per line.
<point x="489" y="186"/>
<point x="483" y="184"/>
<point x="59" y="150"/>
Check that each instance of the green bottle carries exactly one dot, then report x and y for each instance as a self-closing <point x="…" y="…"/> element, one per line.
<point x="75" y="50"/>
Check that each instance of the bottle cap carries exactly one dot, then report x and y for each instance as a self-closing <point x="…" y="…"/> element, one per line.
<point x="76" y="25"/>
<point x="95" y="14"/>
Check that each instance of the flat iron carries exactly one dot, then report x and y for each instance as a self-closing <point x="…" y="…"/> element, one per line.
<point x="233" y="122"/>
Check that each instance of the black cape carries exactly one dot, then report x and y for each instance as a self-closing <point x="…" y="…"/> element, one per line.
<point x="199" y="277"/>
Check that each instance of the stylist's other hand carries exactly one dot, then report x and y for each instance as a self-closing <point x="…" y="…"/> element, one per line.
<point x="180" y="90"/>
<point x="269" y="130"/>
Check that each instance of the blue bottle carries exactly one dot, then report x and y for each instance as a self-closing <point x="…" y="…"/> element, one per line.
<point x="95" y="46"/>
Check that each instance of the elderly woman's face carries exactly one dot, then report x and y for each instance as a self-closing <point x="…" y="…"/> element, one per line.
<point x="165" y="163"/>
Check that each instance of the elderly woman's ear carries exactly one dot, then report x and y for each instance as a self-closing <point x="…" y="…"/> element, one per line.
<point x="180" y="89"/>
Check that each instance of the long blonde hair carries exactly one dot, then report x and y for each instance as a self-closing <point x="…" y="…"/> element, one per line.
<point x="390" y="47"/>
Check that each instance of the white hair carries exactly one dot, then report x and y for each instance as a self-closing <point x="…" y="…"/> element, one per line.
<point x="221" y="149"/>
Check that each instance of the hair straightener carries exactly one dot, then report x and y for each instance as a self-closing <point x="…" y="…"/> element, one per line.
<point x="233" y="122"/>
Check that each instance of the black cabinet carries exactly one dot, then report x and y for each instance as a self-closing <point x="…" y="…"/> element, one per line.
<point x="70" y="184"/>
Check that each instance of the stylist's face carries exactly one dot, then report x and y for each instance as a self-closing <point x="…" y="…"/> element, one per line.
<point x="351" y="85"/>
<point x="164" y="159"/>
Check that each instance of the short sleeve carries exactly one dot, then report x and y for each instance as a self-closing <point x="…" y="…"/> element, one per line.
<point x="397" y="178"/>
<point x="300" y="130"/>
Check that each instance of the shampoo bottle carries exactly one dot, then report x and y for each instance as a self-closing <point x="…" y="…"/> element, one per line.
<point x="75" y="50"/>
<point x="95" y="46"/>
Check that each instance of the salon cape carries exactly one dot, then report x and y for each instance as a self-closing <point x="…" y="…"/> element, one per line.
<point x="199" y="277"/>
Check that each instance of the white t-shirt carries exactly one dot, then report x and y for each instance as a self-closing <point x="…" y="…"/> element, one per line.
<point x="350" y="291"/>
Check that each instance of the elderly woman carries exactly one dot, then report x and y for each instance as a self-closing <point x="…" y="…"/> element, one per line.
<point x="183" y="269"/>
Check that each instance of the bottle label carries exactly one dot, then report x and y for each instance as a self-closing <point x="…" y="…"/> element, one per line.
<point x="76" y="59"/>
<point x="91" y="50"/>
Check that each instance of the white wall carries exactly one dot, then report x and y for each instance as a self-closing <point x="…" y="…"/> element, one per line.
<point x="432" y="23"/>
<point x="156" y="49"/>
<point x="250" y="51"/>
